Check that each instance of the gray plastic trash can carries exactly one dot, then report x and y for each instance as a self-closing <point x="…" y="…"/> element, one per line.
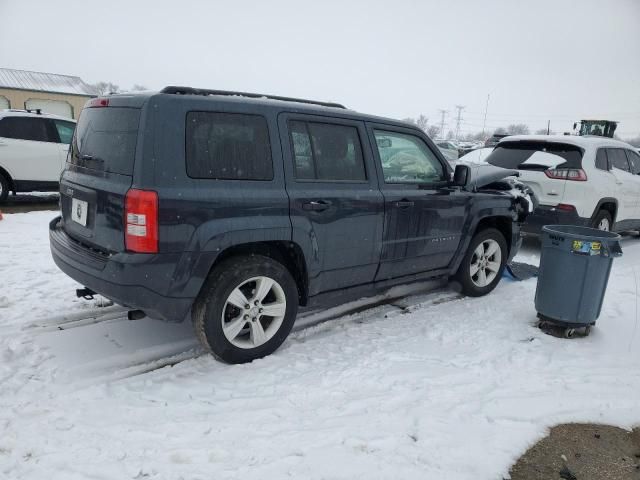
<point x="575" y="263"/>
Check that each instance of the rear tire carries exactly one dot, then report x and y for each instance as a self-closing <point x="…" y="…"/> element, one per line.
<point x="4" y="188"/>
<point x="482" y="266"/>
<point x="602" y="219"/>
<point x="239" y="332"/>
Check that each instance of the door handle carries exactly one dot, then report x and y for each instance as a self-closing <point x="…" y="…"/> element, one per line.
<point x="404" y="204"/>
<point x="316" y="206"/>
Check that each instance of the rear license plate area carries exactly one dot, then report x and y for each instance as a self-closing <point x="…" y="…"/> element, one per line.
<point x="79" y="209"/>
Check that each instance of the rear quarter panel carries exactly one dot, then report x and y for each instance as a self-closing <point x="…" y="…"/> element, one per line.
<point x="200" y="218"/>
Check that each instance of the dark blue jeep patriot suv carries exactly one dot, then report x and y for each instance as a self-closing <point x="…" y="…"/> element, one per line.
<point x="235" y="209"/>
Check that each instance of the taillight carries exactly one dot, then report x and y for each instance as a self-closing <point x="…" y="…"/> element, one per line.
<point x="97" y="102"/>
<point x="566" y="207"/>
<point x="575" y="174"/>
<point x="141" y="221"/>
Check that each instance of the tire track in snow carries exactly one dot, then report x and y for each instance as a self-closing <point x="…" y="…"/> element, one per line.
<point x="79" y="319"/>
<point x="306" y="323"/>
<point x="110" y="326"/>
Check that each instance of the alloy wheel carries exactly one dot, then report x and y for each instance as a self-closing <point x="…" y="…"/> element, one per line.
<point x="485" y="263"/>
<point x="253" y="312"/>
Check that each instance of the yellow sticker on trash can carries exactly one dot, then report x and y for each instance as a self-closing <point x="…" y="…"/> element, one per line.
<point x="586" y="248"/>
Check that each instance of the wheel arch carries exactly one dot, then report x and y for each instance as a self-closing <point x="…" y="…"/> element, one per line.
<point x="9" y="178"/>
<point x="287" y="253"/>
<point x="609" y="204"/>
<point x="501" y="223"/>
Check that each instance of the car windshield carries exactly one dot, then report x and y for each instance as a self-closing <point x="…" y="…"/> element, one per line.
<point x="527" y="155"/>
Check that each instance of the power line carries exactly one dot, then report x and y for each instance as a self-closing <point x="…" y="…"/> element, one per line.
<point x="442" y="124"/>
<point x="486" y="109"/>
<point x="458" y="119"/>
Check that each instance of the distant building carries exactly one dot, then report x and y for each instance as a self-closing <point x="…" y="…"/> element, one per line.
<point x="52" y="93"/>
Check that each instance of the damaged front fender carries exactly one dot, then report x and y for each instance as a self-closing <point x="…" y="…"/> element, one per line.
<point x="492" y="179"/>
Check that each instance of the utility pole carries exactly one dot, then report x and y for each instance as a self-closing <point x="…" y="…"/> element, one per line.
<point x="459" y="119"/>
<point x="548" y="127"/>
<point x="486" y="108"/>
<point x="442" y="124"/>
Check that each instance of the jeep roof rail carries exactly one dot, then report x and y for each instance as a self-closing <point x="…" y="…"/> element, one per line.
<point x="203" y="91"/>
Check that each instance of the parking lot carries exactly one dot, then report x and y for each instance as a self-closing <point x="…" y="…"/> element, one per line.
<point x="362" y="240"/>
<point x="423" y="383"/>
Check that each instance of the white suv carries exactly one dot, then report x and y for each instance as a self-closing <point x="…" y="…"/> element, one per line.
<point x="33" y="150"/>
<point x="591" y="181"/>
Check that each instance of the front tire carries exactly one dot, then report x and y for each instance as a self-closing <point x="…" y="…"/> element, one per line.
<point x="482" y="266"/>
<point x="246" y="308"/>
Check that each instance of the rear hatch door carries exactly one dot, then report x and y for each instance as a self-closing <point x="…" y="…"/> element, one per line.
<point x="532" y="158"/>
<point x="98" y="174"/>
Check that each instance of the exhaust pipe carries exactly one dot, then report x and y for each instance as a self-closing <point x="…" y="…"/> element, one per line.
<point x="85" y="293"/>
<point x="135" y="314"/>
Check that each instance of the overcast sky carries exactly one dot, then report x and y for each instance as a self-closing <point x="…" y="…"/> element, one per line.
<point x="538" y="59"/>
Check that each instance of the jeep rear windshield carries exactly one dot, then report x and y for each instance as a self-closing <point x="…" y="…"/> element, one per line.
<point x="105" y="139"/>
<point x="527" y="155"/>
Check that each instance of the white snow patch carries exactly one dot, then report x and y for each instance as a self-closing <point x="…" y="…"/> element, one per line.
<point x="453" y="388"/>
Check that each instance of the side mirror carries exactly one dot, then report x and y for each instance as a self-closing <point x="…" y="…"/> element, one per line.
<point x="461" y="176"/>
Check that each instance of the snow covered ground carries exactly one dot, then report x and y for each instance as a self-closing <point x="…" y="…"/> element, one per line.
<point x="446" y="388"/>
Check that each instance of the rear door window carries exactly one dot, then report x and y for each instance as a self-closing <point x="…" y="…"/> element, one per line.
<point x="601" y="160"/>
<point x="618" y="159"/>
<point x="228" y="146"/>
<point x="327" y="152"/>
<point x="526" y="155"/>
<point x="26" y="128"/>
<point x="634" y="161"/>
<point x="65" y="130"/>
<point x="105" y="139"/>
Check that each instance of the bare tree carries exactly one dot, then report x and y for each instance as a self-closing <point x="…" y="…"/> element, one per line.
<point x="500" y="131"/>
<point x="518" y="129"/>
<point x="543" y="131"/>
<point x="422" y="122"/>
<point x="105" y="88"/>
<point x="433" y="131"/>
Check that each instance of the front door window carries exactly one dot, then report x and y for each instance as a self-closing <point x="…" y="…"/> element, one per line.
<point x="407" y="159"/>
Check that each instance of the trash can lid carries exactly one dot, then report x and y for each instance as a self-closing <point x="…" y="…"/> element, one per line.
<point x="582" y="233"/>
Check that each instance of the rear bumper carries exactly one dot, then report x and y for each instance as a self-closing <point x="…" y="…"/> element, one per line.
<point x="136" y="281"/>
<point x="549" y="215"/>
